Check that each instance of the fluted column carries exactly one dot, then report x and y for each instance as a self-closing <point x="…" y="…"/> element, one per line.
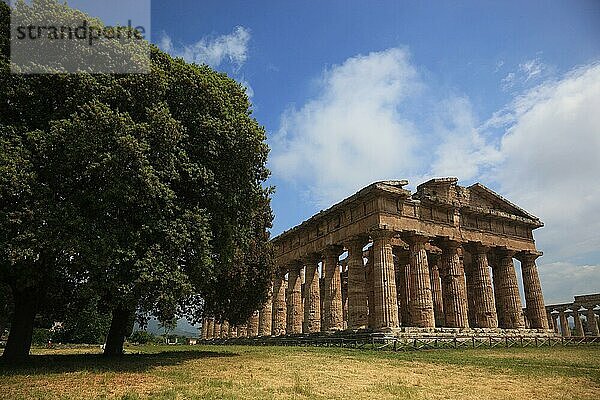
<point x="242" y="330"/>
<point x="564" y="324"/>
<point x="312" y="288"/>
<point x="210" y="328"/>
<point x="265" y="320"/>
<point x="385" y="297"/>
<point x="279" y="313"/>
<point x="333" y="312"/>
<point x="357" y="286"/>
<point x="534" y="299"/>
<point x="578" y="323"/>
<point x="225" y="330"/>
<point x="551" y="323"/>
<point x="370" y="291"/>
<point x="204" y="326"/>
<point x="217" y="330"/>
<point x="294" y="300"/>
<point x="420" y="298"/>
<point x="232" y="331"/>
<point x="454" y="293"/>
<point x="436" y="289"/>
<point x="506" y="291"/>
<point x="402" y="267"/>
<point x="253" y="324"/>
<point x="592" y="323"/>
<point x="485" y="306"/>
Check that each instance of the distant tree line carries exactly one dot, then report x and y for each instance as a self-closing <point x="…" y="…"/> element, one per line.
<point x="124" y="196"/>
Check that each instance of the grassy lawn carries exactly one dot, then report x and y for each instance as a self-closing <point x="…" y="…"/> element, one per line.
<point x="238" y="372"/>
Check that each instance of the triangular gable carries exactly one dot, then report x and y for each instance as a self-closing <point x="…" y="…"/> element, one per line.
<point x="481" y="196"/>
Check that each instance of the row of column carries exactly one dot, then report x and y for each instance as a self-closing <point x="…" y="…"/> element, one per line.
<point x="417" y="290"/>
<point x="562" y="325"/>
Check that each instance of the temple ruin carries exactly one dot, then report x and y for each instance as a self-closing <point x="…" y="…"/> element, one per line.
<point x="586" y="306"/>
<point x="388" y="260"/>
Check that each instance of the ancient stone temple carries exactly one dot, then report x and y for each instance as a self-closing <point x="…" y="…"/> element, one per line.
<point x="386" y="259"/>
<point x="584" y="311"/>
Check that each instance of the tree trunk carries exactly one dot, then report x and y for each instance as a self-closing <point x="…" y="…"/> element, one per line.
<point x="120" y="327"/>
<point x="21" y="327"/>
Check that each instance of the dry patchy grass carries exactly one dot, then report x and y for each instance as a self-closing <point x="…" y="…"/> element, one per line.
<point x="239" y="372"/>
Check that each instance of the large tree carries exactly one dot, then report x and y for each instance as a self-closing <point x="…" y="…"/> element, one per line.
<point x="146" y="188"/>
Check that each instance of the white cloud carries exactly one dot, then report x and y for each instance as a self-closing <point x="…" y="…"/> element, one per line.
<point x="353" y="132"/>
<point x="232" y="47"/>
<point x="528" y="71"/>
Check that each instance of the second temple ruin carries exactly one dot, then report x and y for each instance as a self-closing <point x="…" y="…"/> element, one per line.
<point x="388" y="260"/>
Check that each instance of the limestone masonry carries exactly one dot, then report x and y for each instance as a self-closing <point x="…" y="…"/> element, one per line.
<point x="438" y="258"/>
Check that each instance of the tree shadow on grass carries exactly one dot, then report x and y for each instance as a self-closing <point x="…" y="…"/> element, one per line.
<point x="63" y="363"/>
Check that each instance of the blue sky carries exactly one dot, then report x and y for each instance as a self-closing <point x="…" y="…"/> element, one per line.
<point x="505" y="93"/>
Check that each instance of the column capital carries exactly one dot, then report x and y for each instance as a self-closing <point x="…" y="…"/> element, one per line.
<point x="528" y="256"/>
<point x="311" y="258"/>
<point x="356" y="241"/>
<point x="504" y="252"/>
<point x="414" y="238"/>
<point x="333" y="250"/>
<point x="381" y="233"/>
<point x="477" y="248"/>
<point x="447" y="244"/>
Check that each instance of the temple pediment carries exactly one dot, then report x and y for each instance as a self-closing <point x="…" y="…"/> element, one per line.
<point x="482" y="197"/>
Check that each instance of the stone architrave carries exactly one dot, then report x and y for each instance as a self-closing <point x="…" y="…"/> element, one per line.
<point x="225" y="330"/>
<point x="534" y="299"/>
<point x="592" y="323"/>
<point x="333" y="312"/>
<point x="506" y="291"/>
<point x="312" y="305"/>
<point x="420" y="299"/>
<point x="385" y="297"/>
<point x="294" y="300"/>
<point x="279" y="313"/>
<point x="436" y="289"/>
<point x="564" y="324"/>
<point x="358" y="310"/>
<point x="265" y="320"/>
<point x="485" y="306"/>
<point x="454" y="292"/>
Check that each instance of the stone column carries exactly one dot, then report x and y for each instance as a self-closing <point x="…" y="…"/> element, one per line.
<point x="506" y="291"/>
<point x="333" y="312"/>
<point x="370" y="291"/>
<point x="564" y="324"/>
<point x="436" y="289"/>
<point x="469" y="283"/>
<point x="578" y="324"/>
<point x="225" y="330"/>
<point x="204" y="326"/>
<point x="485" y="307"/>
<point x="402" y="284"/>
<point x="420" y="300"/>
<point x="454" y="292"/>
<point x="217" y="330"/>
<point x="551" y="324"/>
<point x="358" y="310"/>
<point x="534" y="299"/>
<point x="592" y="323"/>
<point x="279" y="305"/>
<point x="242" y="330"/>
<point x="312" y="306"/>
<point x="253" y="324"/>
<point x="385" y="297"/>
<point x="265" y="320"/>
<point x="232" y="331"/>
<point x="210" y="328"/>
<point x="294" y="300"/>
